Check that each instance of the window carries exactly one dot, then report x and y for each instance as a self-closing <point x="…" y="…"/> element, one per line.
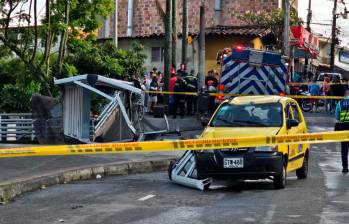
<point x="296" y="114"/>
<point x="218" y="5"/>
<point x="288" y="112"/>
<point x="249" y="115"/>
<point x="156" y="54"/>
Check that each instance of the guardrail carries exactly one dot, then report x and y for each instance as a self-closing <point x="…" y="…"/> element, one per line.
<point x="16" y="127"/>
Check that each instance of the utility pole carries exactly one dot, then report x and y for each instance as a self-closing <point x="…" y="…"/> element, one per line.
<point x="334" y="35"/>
<point x="174" y="32"/>
<point x="309" y="16"/>
<point x="202" y="45"/>
<point x="287" y="29"/>
<point x="168" y="43"/>
<point x="185" y="32"/>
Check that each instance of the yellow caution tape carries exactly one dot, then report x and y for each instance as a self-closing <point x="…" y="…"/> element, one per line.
<point x="309" y="83"/>
<point x="234" y="95"/>
<point x="178" y="145"/>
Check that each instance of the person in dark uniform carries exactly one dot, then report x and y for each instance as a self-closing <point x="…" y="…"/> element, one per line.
<point x="342" y="116"/>
<point x="182" y="71"/>
<point x="179" y="100"/>
<point x="192" y="87"/>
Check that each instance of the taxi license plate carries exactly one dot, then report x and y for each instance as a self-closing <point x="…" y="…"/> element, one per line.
<point x="233" y="163"/>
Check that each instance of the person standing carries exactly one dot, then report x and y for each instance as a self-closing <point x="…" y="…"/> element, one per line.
<point x="325" y="88"/>
<point x="153" y="97"/>
<point x="171" y="86"/>
<point x="179" y="99"/>
<point x="342" y="116"/>
<point x="314" y="90"/>
<point x="192" y="87"/>
<point x="161" y="83"/>
<point x="182" y="71"/>
<point x="337" y="89"/>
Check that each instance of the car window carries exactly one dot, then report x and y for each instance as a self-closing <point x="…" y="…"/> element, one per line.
<point x="296" y="113"/>
<point x="288" y="112"/>
<point x="248" y="115"/>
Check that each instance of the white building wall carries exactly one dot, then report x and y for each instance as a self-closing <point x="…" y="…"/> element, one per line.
<point x="149" y="43"/>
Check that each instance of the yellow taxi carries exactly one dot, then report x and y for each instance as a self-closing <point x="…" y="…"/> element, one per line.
<point x="255" y="116"/>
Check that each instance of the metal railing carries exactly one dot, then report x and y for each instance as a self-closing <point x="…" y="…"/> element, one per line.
<point x="19" y="127"/>
<point x="16" y="127"/>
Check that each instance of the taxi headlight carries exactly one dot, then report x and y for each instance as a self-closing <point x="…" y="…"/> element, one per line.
<point x="265" y="149"/>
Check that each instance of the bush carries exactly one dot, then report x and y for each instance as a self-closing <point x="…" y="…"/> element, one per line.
<point x="15" y="99"/>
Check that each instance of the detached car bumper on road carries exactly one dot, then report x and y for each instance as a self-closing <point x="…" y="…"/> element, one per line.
<point x="245" y="164"/>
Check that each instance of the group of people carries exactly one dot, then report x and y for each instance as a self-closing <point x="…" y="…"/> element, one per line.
<point x="180" y="81"/>
<point x="328" y="88"/>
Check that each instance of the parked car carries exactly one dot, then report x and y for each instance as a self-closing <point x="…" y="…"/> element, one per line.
<point x="333" y="76"/>
<point x="255" y="116"/>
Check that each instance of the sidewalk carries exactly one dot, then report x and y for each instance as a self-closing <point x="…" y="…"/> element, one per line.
<point x="23" y="174"/>
<point x="19" y="168"/>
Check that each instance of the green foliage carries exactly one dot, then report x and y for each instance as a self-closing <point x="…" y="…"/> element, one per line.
<point x="133" y="60"/>
<point x="14" y="99"/>
<point x="105" y="59"/>
<point x="269" y="18"/>
<point x="25" y="69"/>
<point x="273" y="19"/>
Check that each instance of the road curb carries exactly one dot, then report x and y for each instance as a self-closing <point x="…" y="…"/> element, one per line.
<point x="11" y="189"/>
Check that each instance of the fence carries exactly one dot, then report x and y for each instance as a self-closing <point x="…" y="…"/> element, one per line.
<point x="16" y="127"/>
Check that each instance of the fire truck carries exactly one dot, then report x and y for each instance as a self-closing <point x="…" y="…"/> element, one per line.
<point x="252" y="72"/>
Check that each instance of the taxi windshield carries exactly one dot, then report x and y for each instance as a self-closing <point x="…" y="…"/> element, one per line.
<point x="248" y="115"/>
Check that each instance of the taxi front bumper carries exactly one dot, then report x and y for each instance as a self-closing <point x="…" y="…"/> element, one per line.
<point x="256" y="165"/>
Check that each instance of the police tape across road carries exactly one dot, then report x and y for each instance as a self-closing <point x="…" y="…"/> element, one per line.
<point x="234" y="95"/>
<point x="178" y="145"/>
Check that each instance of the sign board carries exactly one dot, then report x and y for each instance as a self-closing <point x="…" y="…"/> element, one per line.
<point x="344" y="56"/>
<point x="256" y="58"/>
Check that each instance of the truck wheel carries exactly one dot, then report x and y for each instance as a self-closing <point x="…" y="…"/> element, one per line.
<point x="280" y="179"/>
<point x="302" y="172"/>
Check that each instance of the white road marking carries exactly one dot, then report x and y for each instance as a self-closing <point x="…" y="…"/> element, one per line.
<point x="293" y="216"/>
<point x="146" y="197"/>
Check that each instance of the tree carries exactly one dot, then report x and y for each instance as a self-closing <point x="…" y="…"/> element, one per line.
<point x="105" y="59"/>
<point x="174" y="32"/>
<point x="22" y="32"/>
<point x="273" y="19"/>
<point x="168" y="42"/>
<point x="185" y="32"/>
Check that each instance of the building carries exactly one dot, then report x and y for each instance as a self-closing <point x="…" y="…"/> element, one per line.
<point x="341" y="57"/>
<point x="143" y="21"/>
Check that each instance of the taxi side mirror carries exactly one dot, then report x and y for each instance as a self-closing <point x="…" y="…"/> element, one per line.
<point x="290" y="123"/>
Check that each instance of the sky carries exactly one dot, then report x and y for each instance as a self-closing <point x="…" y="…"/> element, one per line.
<point x="322" y="13"/>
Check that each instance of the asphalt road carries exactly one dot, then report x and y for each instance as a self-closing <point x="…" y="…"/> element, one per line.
<point x="151" y="198"/>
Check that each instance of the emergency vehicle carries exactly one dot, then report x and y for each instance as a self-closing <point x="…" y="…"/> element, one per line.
<point x="252" y="72"/>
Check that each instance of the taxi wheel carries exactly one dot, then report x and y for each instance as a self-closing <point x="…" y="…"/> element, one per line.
<point x="280" y="179"/>
<point x="302" y="172"/>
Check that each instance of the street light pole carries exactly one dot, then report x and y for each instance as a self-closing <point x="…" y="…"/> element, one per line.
<point x="334" y="35"/>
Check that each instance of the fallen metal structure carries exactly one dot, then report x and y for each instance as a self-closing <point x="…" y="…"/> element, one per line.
<point x="120" y="119"/>
<point x="184" y="172"/>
